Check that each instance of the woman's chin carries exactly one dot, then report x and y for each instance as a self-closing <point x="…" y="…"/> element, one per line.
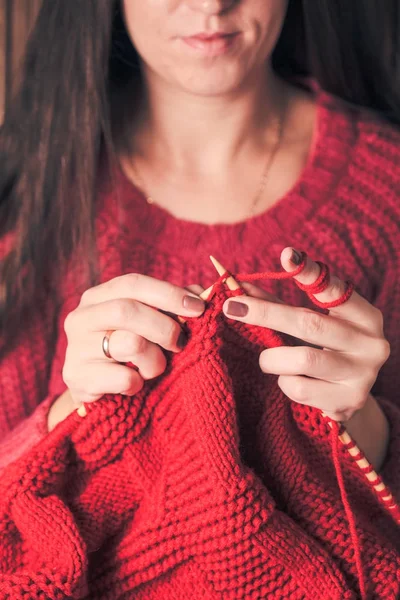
<point x="212" y="85"/>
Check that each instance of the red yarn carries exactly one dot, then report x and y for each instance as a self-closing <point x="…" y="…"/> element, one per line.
<point x="207" y="484"/>
<point x="347" y="507"/>
<point x="318" y="286"/>
<point x="321" y="284"/>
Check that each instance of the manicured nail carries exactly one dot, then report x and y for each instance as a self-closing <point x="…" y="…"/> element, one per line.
<point x="296" y="257"/>
<point x="182" y="340"/>
<point x="193" y="303"/>
<point x="237" y="309"/>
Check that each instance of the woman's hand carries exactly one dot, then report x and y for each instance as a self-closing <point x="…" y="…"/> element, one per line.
<point x="130" y="306"/>
<point x="337" y="367"/>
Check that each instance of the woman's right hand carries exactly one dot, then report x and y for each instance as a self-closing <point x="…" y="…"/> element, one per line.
<point x="129" y="306"/>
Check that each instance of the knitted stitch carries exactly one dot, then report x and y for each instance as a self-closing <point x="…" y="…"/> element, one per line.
<point x="209" y="474"/>
<point x="318" y="286"/>
<point x="344" y="210"/>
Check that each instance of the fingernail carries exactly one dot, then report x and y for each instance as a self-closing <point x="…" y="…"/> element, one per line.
<point x="296" y="257"/>
<point x="182" y="340"/>
<point x="237" y="309"/>
<point x="193" y="303"/>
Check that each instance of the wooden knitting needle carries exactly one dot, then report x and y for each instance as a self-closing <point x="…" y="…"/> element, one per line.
<point x="205" y="294"/>
<point x="345" y="437"/>
<point x="230" y="281"/>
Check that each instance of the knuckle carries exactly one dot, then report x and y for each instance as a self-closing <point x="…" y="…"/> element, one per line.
<point x="87" y="296"/>
<point x="134" y="345"/>
<point x="308" y="359"/>
<point x="67" y="375"/>
<point x="263" y="309"/>
<point x="132" y="280"/>
<point x="69" y="322"/>
<point x="127" y="381"/>
<point x="359" y="400"/>
<point x="369" y="380"/>
<point x="383" y="350"/>
<point x="170" y="333"/>
<point x="300" y="390"/>
<point x="379" y="351"/>
<point x="170" y="292"/>
<point x="311" y="324"/>
<point x="122" y="312"/>
<point x="336" y="288"/>
<point x="158" y="365"/>
<point x="379" y="317"/>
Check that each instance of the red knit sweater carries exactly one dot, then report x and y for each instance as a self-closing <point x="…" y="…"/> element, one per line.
<point x="209" y="483"/>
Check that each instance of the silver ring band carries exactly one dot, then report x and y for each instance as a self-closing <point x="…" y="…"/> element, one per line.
<point x="106" y="344"/>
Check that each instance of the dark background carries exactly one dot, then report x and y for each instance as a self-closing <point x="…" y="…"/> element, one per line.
<point x="16" y="19"/>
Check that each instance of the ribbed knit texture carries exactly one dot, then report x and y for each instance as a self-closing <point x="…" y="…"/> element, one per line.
<point x="210" y="483"/>
<point x="209" y="470"/>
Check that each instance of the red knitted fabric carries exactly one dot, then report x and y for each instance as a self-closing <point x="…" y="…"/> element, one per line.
<point x="209" y="483"/>
<point x="344" y="210"/>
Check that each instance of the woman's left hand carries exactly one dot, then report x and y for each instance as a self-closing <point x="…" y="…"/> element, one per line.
<point x="338" y="374"/>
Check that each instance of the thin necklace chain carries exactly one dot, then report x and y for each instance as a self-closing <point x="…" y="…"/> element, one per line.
<point x="280" y="126"/>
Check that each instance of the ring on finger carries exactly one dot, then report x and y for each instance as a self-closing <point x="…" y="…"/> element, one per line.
<point x="106" y="345"/>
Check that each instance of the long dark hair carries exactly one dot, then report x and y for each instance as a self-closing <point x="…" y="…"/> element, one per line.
<point x="78" y="61"/>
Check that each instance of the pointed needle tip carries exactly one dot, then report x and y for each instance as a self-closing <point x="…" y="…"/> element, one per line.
<point x="219" y="268"/>
<point x="230" y="281"/>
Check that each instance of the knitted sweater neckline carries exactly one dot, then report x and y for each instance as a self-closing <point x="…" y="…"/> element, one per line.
<point x="333" y="140"/>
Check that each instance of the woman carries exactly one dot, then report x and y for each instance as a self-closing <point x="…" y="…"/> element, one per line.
<point x="147" y="136"/>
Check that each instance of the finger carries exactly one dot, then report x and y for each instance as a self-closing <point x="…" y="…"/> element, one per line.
<point x="96" y="380"/>
<point x="148" y="290"/>
<point x="302" y="323"/>
<point x="249" y="288"/>
<point x="125" y="346"/>
<point x="305" y="360"/>
<point x="257" y="292"/>
<point x="334" y="399"/>
<point x="195" y="289"/>
<point x="356" y="309"/>
<point x="128" y="315"/>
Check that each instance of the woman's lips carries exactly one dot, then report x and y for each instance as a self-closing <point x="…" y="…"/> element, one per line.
<point x="212" y="45"/>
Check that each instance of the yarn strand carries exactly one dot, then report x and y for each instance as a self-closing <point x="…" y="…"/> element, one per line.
<point x="320" y="285"/>
<point x="338" y="431"/>
<point x="347" y="507"/>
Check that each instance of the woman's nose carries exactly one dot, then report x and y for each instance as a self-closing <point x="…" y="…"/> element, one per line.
<point x="212" y="6"/>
